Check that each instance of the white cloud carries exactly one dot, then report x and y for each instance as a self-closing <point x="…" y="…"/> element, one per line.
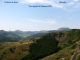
<point x="35" y="20"/>
<point x="35" y="1"/>
<point x="76" y="0"/>
<point x="41" y="21"/>
<point x="70" y="18"/>
<point x="74" y="3"/>
<point x="50" y="21"/>
<point x="50" y="2"/>
<point x="70" y="4"/>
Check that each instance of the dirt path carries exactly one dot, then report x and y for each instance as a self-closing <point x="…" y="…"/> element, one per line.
<point x="75" y="55"/>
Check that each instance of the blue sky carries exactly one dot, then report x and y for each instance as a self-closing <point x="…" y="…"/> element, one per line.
<point x="19" y="16"/>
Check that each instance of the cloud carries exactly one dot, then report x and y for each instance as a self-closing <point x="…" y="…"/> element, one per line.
<point x="76" y="0"/>
<point x="49" y="2"/>
<point x="41" y="21"/>
<point x="70" y="4"/>
<point x="34" y="1"/>
<point x="70" y="18"/>
<point x="74" y="4"/>
<point x="35" y="20"/>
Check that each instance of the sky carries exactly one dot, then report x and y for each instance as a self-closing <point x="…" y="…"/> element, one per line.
<point x="24" y="15"/>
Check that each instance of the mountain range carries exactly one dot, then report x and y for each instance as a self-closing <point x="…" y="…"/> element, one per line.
<point x="6" y="36"/>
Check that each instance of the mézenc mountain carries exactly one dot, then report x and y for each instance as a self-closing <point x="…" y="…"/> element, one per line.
<point x="64" y="29"/>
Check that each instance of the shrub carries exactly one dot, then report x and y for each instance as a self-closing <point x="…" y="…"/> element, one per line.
<point x="12" y="50"/>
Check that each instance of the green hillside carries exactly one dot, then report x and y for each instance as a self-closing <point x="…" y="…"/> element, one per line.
<point x="14" y="50"/>
<point x="60" y="44"/>
<point x="68" y="41"/>
<point x="45" y="46"/>
<point x="52" y="46"/>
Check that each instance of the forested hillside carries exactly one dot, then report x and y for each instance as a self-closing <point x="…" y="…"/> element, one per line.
<point x="52" y="43"/>
<point x="45" y="46"/>
<point x="69" y="42"/>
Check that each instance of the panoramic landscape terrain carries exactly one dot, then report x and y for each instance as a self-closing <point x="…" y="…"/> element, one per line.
<point x="61" y="44"/>
<point x="39" y="29"/>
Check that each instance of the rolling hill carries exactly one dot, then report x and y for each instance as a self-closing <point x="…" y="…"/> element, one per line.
<point x="52" y="46"/>
<point x="14" y="50"/>
<point x="56" y="46"/>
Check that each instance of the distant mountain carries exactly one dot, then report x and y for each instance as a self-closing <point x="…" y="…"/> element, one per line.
<point x="39" y="34"/>
<point x="8" y="36"/>
<point x="18" y="32"/>
<point x="34" y="36"/>
<point x="64" y="29"/>
<point x="22" y="33"/>
<point x="25" y="35"/>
